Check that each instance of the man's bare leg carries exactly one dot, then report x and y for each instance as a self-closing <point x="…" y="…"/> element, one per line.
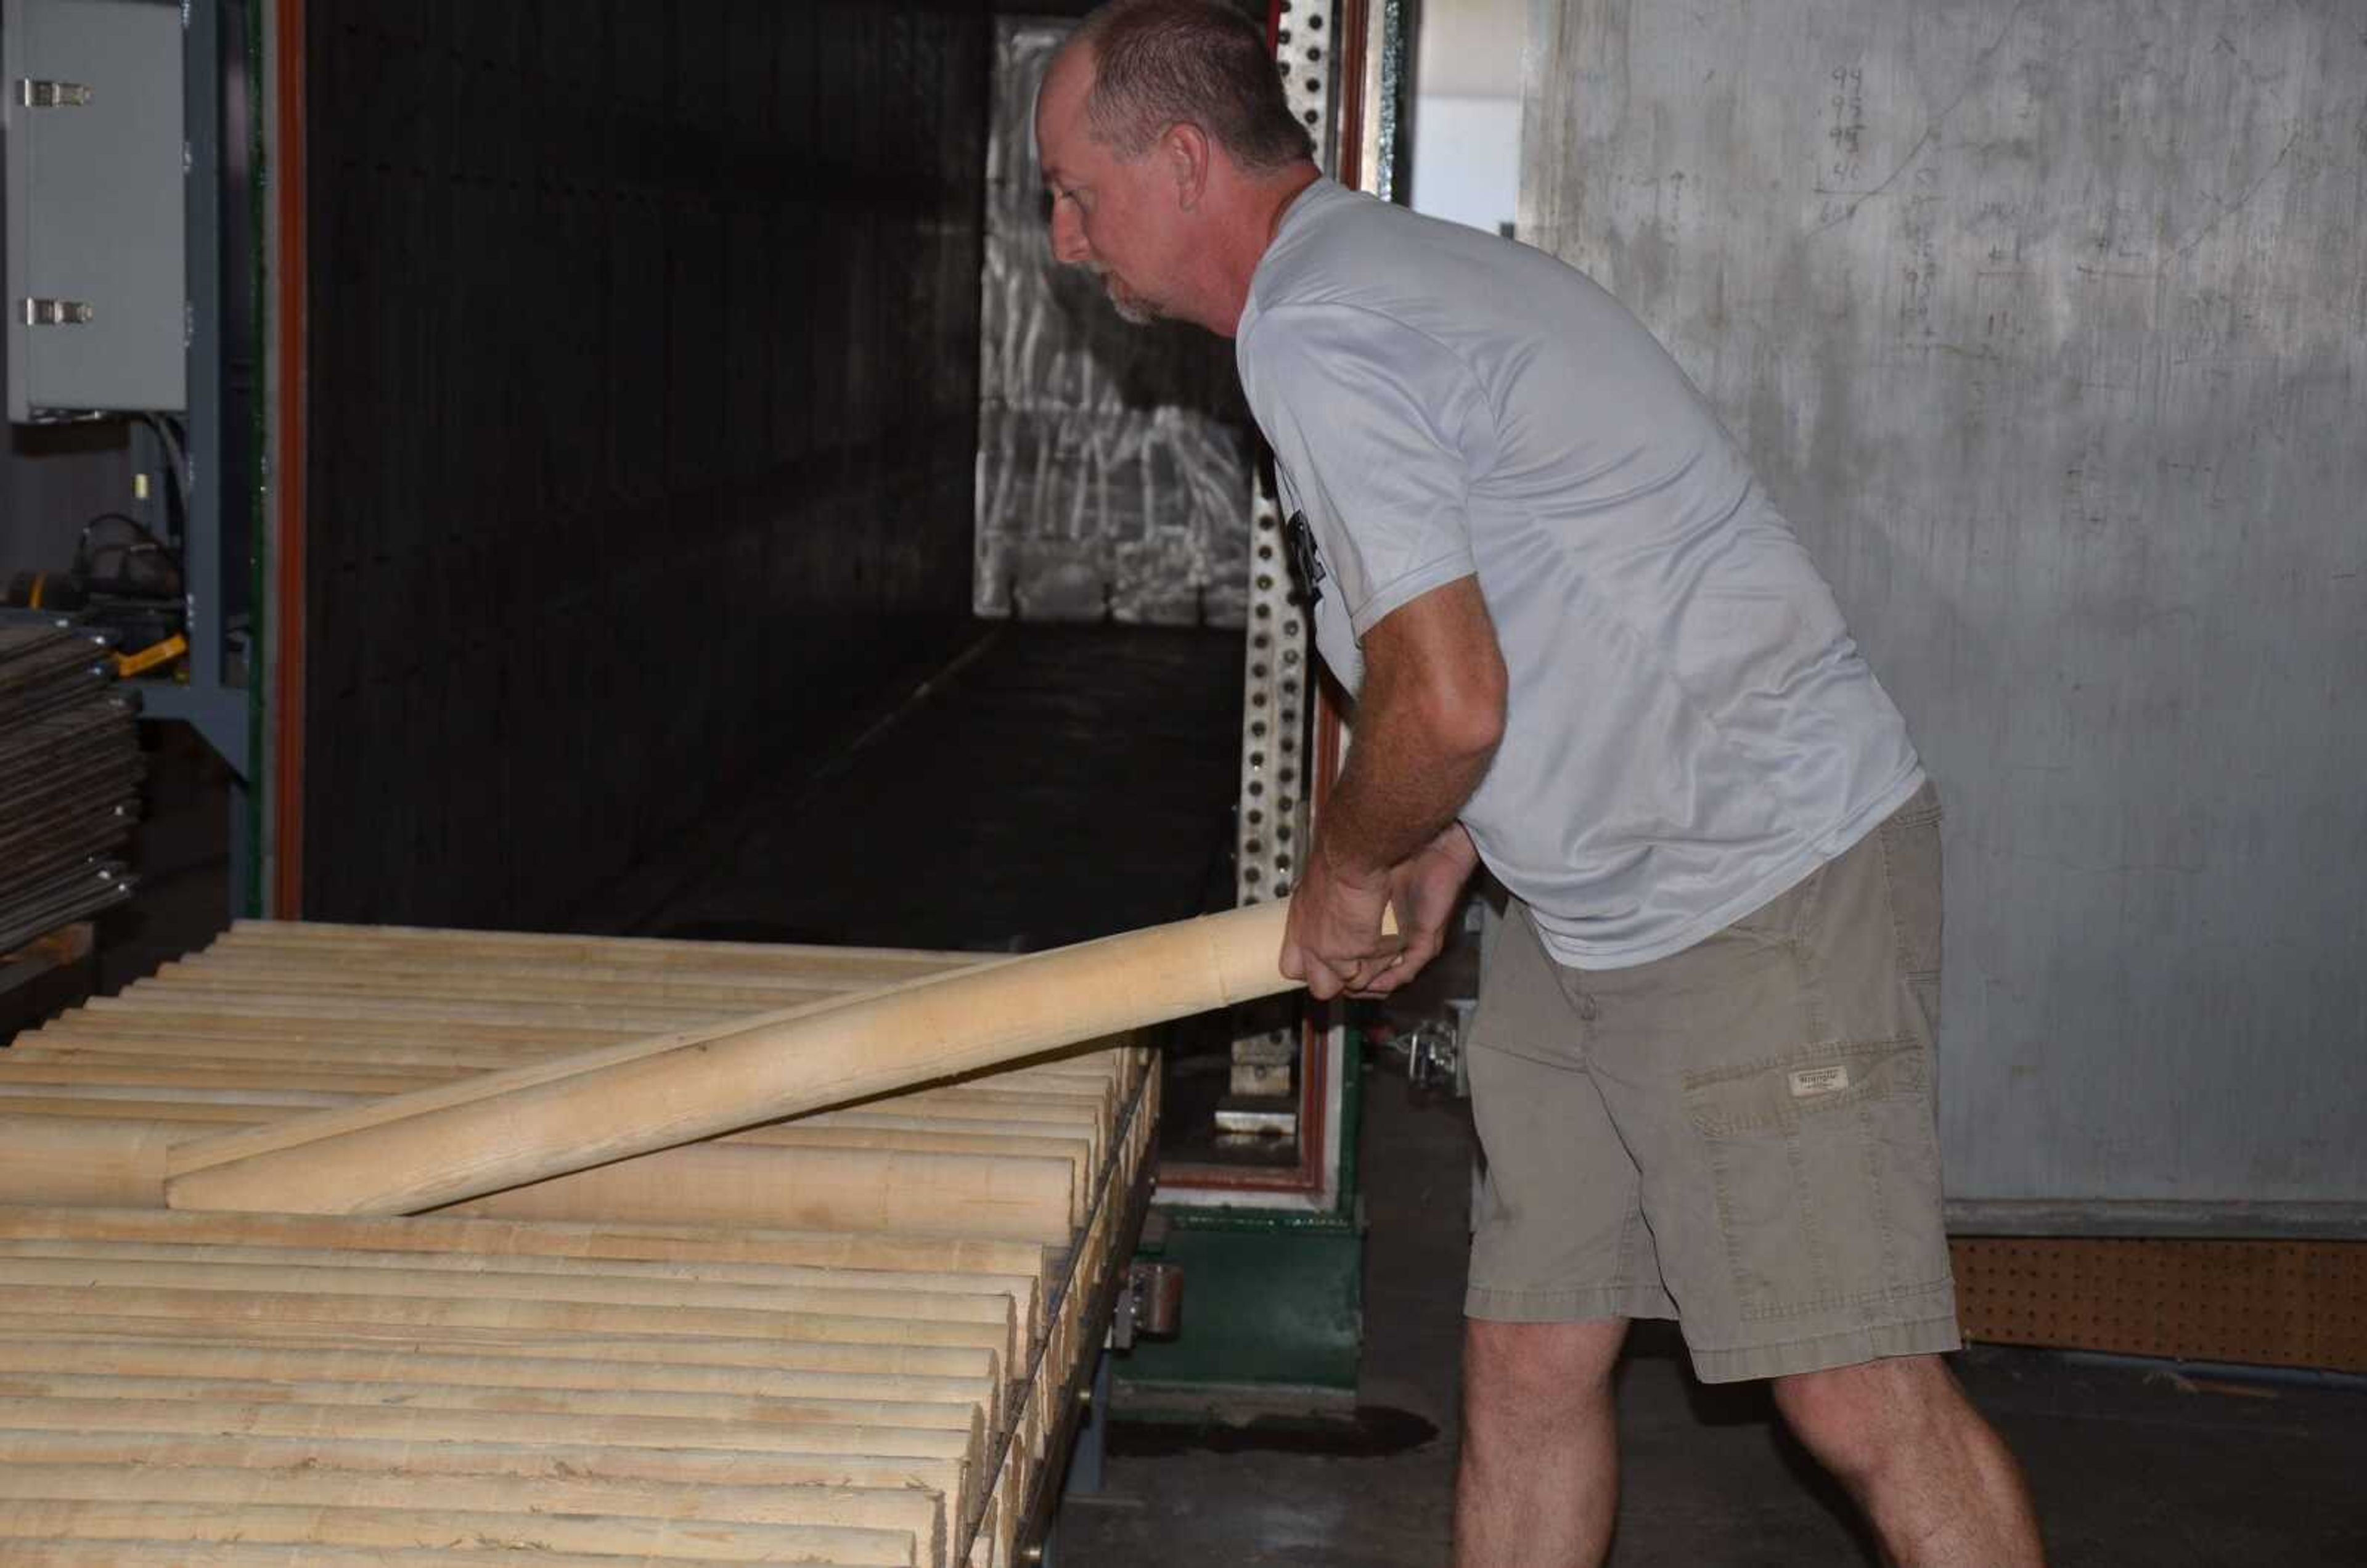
<point x="1936" y="1483"/>
<point x="1539" y="1482"/>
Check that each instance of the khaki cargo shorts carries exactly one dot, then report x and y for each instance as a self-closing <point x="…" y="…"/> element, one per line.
<point x="1741" y="1136"/>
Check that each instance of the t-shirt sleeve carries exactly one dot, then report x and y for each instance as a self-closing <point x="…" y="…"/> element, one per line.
<point x="1379" y="429"/>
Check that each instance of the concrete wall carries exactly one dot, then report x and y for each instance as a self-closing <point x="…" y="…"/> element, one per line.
<point x="2046" y="324"/>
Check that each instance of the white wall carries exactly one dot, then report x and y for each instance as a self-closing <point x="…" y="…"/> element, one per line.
<point x="1467" y="159"/>
<point x="1467" y="113"/>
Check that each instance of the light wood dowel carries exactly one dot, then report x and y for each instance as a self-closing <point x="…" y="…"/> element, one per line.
<point x="883" y="1042"/>
<point x="77" y="1160"/>
<point x="20" y="1553"/>
<point x="696" y="1466"/>
<point x="530" y="1428"/>
<point x="914" y="1514"/>
<point x="657" y="1538"/>
<point x="298" y="1365"/>
<point x="506" y="1238"/>
<point x="528" y="1341"/>
<point x="452" y="1099"/>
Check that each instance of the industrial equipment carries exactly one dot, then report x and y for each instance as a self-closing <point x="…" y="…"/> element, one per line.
<point x="70" y="774"/>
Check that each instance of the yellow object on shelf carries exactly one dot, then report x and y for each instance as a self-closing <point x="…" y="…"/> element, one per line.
<point x="127" y="665"/>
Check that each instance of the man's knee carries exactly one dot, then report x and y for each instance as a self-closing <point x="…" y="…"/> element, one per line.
<point x="1856" y="1419"/>
<point x="1539" y="1364"/>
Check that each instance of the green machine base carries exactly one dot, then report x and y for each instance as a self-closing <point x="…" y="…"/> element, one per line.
<point x="1272" y="1314"/>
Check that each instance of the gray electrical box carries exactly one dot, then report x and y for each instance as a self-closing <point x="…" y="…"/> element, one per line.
<point x="97" y="268"/>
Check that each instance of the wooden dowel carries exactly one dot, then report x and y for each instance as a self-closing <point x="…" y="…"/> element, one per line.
<point x="96" y="1519"/>
<point x="436" y="1010"/>
<point x="946" y="1481"/>
<point x="31" y="1065"/>
<point x="19" y="1552"/>
<point x="389" y="1365"/>
<point x="887" y="1041"/>
<point x="517" y="1316"/>
<point x="77" y="1160"/>
<point x="530" y="1342"/>
<point x="394" y="1424"/>
<point x="20" y="1097"/>
<point x="770" y="1412"/>
<point x="201" y="981"/>
<point x="912" y="1512"/>
<point x="168" y="1025"/>
<point x="740" y="1184"/>
<point x="1016" y="1290"/>
<point x="194" y="1119"/>
<point x="451" y="1097"/>
<point x="613" y="1289"/>
<point x="343" y="938"/>
<point x="717" y="1467"/>
<point x="506" y="1237"/>
<point x="1020" y="1296"/>
<point x="602" y="962"/>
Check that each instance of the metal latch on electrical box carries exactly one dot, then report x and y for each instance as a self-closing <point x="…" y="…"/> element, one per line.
<point x="52" y="94"/>
<point x="55" y="312"/>
<point x="1150" y="1303"/>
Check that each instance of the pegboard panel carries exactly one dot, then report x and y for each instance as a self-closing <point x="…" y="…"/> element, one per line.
<point x="1274" y="710"/>
<point x="1304" y="32"/>
<point x="2289" y="1303"/>
<point x="1271" y="820"/>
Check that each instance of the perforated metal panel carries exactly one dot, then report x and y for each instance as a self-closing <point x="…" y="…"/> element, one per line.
<point x="2296" y="1304"/>
<point x="1276" y="675"/>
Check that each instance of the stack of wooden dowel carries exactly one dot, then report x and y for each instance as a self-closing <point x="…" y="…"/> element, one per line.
<point x="854" y="1338"/>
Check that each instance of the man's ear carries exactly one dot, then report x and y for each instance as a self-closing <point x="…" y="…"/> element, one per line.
<point x="1186" y="150"/>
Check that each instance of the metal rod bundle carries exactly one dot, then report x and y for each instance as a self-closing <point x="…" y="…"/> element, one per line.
<point x="69" y="778"/>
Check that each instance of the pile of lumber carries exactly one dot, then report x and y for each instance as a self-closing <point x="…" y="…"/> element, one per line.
<point x="853" y="1337"/>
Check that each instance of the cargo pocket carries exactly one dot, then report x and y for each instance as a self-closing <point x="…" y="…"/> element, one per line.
<point x="1826" y="1172"/>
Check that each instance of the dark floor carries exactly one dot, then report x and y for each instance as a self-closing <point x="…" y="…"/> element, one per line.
<point x="2131" y="1464"/>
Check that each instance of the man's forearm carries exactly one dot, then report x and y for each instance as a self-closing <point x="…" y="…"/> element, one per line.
<point x="1407" y="778"/>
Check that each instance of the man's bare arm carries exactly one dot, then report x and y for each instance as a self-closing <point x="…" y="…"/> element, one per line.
<point x="1428" y="722"/>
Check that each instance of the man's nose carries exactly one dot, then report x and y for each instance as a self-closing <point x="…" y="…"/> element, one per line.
<point x="1068" y="234"/>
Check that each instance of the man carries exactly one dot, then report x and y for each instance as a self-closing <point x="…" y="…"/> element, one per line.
<point x="1586" y="651"/>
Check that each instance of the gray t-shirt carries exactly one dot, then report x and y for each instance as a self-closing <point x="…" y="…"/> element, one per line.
<point x="1690" y="730"/>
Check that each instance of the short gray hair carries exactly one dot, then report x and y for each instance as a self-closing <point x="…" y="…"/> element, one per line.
<point x="1157" y="63"/>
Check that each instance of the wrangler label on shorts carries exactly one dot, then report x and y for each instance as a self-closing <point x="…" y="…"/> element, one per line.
<point x="1809" y="1082"/>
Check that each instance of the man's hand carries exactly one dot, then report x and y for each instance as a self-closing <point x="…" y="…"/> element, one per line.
<point x="1424" y="892"/>
<point x="1333" y="939"/>
<point x="1427" y="726"/>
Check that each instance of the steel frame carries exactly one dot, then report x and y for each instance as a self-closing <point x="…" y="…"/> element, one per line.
<point x="1328" y="52"/>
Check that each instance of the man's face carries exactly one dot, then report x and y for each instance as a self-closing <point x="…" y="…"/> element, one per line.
<point x="1107" y="213"/>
